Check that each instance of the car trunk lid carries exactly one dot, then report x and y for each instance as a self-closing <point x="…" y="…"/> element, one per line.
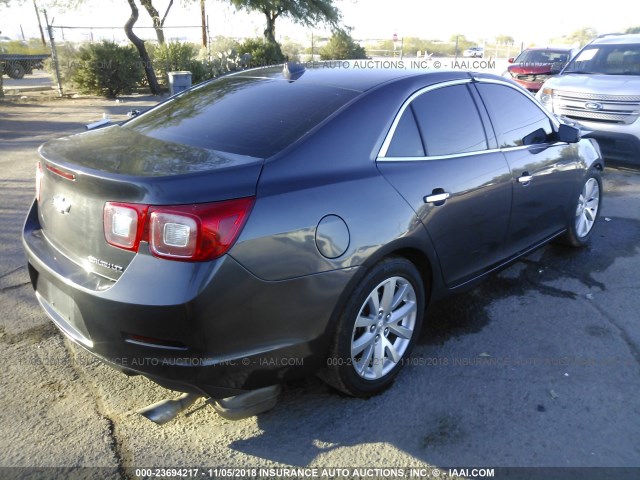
<point x="80" y="174"/>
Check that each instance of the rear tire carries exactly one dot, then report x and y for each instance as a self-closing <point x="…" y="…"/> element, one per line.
<point x="15" y="71"/>
<point x="586" y="211"/>
<point x="377" y="329"/>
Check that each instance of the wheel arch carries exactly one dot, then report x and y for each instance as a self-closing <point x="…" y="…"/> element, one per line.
<point x="407" y="248"/>
<point x="361" y="282"/>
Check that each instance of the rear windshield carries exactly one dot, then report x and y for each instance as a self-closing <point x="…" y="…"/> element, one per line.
<point x="247" y="116"/>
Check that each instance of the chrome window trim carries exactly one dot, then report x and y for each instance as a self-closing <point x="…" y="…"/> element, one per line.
<point x="465" y="154"/>
<point x="440" y="157"/>
<point x="387" y="141"/>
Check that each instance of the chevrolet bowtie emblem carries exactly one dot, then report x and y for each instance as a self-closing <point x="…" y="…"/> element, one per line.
<point x="61" y="204"/>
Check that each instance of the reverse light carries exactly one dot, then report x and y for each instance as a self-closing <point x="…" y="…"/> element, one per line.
<point x="173" y="235"/>
<point x="123" y="224"/>
<point x="179" y="232"/>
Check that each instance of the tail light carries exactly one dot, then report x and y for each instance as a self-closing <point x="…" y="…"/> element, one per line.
<point x="39" y="176"/>
<point x="181" y="232"/>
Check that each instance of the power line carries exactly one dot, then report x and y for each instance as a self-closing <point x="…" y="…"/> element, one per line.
<point x="122" y="26"/>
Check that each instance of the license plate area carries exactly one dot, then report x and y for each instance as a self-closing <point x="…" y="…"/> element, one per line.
<point x="63" y="310"/>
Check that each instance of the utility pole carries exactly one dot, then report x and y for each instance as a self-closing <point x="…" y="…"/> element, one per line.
<point x="35" y="5"/>
<point x="54" y="53"/>
<point x="204" y="24"/>
<point x="1" y="74"/>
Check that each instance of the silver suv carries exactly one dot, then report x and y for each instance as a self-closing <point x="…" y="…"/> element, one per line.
<point x="599" y="89"/>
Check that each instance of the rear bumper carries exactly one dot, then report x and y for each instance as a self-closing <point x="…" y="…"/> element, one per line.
<point x="209" y="327"/>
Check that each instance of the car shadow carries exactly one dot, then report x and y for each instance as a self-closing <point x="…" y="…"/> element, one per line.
<point x="448" y="417"/>
<point x="467" y="312"/>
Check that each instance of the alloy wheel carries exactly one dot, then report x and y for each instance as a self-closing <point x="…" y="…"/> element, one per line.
<point x="587" y="209"/>
<point x="384" y="327"/>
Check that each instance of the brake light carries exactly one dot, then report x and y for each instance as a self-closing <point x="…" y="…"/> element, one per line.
<point x="61" y="173"/>
<point x="182" y="232"/>
<point x="39" y="176"/>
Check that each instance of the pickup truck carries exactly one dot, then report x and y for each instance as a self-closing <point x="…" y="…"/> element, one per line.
<point x="16" y="65"/>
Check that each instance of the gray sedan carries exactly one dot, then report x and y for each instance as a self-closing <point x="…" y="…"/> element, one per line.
<point x="269" y="225"/>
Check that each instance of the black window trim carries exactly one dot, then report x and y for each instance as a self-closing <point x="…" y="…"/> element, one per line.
<point x="555" y="123"/>
<point x="387" y="141"/>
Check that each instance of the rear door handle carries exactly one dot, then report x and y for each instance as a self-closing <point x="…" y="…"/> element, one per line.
<point x="437" y="198"/>
<point x="525" y="178"/>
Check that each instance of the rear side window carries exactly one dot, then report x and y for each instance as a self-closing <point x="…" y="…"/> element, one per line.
<point x="256" y="117"/>
<point x="406" y="140"/>
<point x="449" y="121"/>
<point x="517" y="120"/>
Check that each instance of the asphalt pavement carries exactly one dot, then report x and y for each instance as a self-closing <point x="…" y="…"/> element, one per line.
<point x="537" y="367"/>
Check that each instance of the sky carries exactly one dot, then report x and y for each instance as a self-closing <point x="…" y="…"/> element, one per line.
<point x="370" y="19"/>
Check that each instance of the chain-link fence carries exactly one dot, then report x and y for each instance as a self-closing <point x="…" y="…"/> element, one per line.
<point x="193" y="48"/>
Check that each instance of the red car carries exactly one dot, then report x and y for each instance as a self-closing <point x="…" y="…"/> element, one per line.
<point x="535" y="65"/>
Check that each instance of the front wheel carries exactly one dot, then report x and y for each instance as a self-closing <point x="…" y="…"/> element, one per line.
<point x="587" y="210"/>
<point x="377" y="329"/>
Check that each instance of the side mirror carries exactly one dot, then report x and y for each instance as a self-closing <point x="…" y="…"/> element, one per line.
<point x="535" y="138"/>
<point x="511" y="60"/>
<point x="569" y="134"/>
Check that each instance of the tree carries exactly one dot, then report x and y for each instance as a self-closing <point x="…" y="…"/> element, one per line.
<point x="305" y="12"/>
<point x="107" y="68"/>
<point x="142" y="51"/>
<point x="158" y="23"/>
<point x="261" y="52"/>
<point x="342" y="47"/>
<point x="582" y="36"/>
<point x="504" y="40"/>
<point x="633" y="30"/>
<point x="461" y="42"/>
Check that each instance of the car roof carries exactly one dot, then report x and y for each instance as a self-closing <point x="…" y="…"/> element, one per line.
<point x="616" y="38"/>
<point x="348" y="74"/>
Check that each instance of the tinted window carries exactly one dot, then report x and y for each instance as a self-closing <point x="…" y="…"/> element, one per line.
<point x="516" y="119"/>
<point x="406" y="140"/>
<point x="247" y="116"/>
<point x="449" y="121"/>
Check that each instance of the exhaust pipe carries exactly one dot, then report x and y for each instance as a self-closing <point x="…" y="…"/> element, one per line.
<point x="166" y="410"/>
